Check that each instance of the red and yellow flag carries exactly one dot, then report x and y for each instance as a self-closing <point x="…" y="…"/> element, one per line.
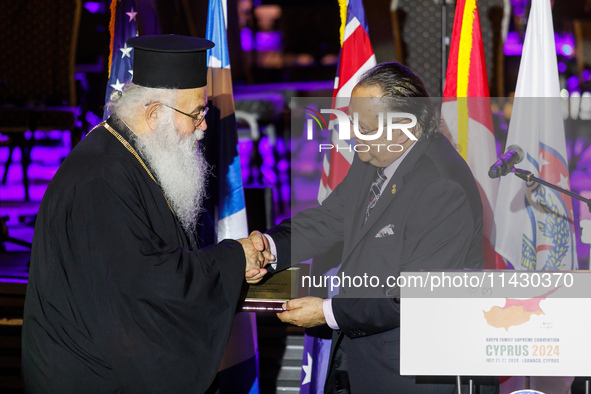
<point x="467" y="113"/>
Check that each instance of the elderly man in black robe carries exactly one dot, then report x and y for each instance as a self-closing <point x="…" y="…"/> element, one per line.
<point x="120" y="298"/>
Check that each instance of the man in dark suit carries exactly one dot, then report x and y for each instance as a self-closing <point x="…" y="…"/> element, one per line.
<point x="416" y="207"/>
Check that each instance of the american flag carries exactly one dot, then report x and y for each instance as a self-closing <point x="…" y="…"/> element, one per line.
<point x="356" y="57"/>
<point x="467" y="113"/>
<point x="123" y="25"/>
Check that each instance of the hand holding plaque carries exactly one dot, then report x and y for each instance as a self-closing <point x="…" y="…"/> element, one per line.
<point x="270" y="295"/>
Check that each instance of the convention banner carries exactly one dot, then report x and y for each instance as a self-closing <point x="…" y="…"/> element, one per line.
<point x="496" y="328"/>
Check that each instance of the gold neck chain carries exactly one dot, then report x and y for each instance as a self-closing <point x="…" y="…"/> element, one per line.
<point x="133" y="152"/>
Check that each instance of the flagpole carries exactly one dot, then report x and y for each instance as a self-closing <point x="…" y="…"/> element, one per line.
<point x="443" y="43"/>
<point x="459" y="385"/>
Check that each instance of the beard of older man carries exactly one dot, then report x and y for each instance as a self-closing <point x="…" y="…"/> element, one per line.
<point x="179" y="167"/>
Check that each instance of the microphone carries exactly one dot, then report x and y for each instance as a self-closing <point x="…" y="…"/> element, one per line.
<point x="513" y="155"/>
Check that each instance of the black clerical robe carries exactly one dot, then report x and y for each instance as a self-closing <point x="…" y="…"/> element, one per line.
<point x="119" y="297"/>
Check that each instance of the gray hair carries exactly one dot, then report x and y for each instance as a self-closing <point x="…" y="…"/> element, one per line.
<point x="406" y="93"/>
<point x="134" y="98"/>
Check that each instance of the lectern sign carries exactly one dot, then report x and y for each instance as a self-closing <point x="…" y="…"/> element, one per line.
<point x="483" y="334"/>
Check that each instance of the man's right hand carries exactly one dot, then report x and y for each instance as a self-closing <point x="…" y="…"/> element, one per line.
<point x="258" y="254"/>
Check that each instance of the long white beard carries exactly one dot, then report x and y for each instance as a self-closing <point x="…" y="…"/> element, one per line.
<point x="179" y="167"/>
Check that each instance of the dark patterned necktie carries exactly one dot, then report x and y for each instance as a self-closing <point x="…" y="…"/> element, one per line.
<point x="374" y="191"/>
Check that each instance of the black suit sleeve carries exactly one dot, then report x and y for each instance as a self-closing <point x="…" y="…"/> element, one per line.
<point x="443" y="233"/>
<point x="281" y="235"/>
<point x="358" y="317"/>
<point x="313" y="231"/>
<point x="440" y="233"/>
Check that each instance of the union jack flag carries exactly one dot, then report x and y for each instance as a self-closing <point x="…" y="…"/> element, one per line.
<point x="355" y="58"/>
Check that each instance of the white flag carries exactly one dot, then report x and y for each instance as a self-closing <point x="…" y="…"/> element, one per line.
<point x="535" y="229"/>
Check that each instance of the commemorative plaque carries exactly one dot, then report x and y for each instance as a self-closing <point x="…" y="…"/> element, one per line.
<point x="269" y="295"/>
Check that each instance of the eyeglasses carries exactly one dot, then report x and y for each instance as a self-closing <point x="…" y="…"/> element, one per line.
<point x="197" y="118"/>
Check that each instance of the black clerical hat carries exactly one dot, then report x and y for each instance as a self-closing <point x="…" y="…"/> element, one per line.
<point x="169" y="61"/>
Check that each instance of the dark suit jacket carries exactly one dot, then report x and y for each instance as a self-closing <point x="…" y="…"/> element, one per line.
<point x="434" y="205"/>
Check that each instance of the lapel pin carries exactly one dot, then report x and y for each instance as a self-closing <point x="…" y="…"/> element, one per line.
<point x="393" y="189"/>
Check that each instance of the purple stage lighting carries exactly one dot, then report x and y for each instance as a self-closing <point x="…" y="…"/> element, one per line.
<point x="92" y="6"/>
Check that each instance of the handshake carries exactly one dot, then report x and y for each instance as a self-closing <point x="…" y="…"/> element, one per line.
<point x="257" y="252"/>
